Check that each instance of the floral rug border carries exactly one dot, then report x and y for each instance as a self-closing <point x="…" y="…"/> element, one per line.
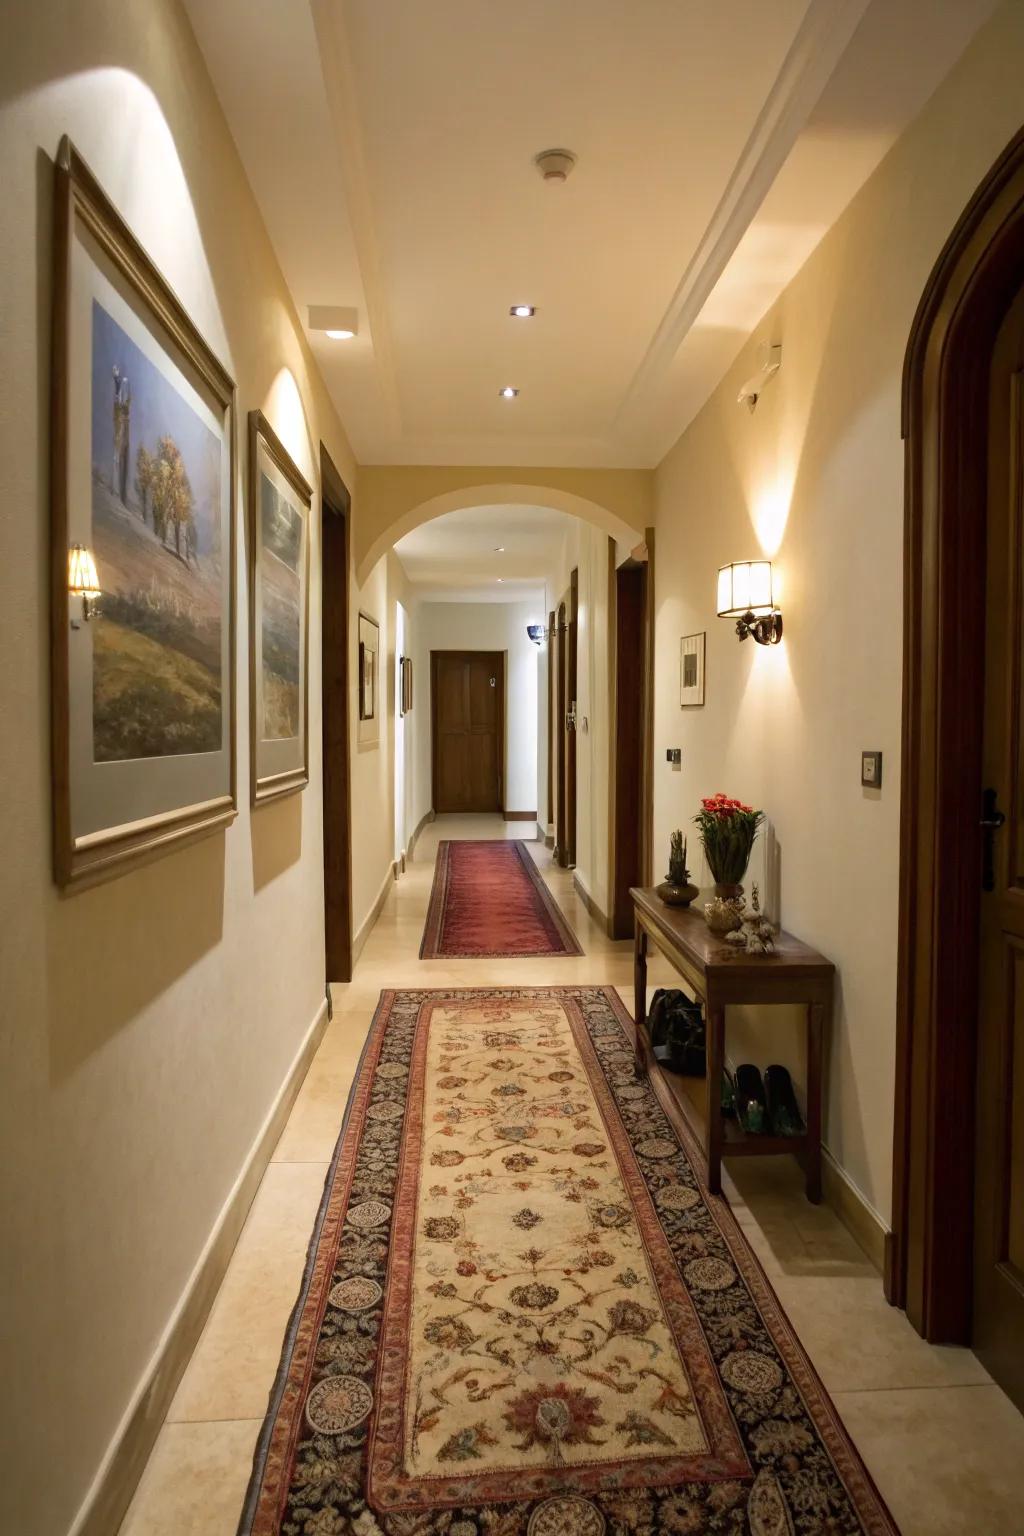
<point x="265" y="1501"/>
<point x="433" y="930"/>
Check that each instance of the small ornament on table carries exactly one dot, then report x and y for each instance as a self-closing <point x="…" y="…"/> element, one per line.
<point x="677" y="890"/>
<point x="756" y="936"/>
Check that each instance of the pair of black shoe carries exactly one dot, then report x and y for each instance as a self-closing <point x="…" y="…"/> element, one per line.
<point x="766" y="1106"/>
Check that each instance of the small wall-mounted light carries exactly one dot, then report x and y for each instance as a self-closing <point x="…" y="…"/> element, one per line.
<point x="337" y="321"/>
<point x="537" y="633"/>
<point x="745" y="594"/>
<point x="83" y="580"/>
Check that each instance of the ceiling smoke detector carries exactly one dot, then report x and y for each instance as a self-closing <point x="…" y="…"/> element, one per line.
<point x="555" y="164"/>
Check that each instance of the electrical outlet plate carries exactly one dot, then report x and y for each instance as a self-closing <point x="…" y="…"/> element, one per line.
<point x="871" y="770"/>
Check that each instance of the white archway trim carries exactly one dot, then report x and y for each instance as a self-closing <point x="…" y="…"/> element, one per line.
<point x="490" y="495"/>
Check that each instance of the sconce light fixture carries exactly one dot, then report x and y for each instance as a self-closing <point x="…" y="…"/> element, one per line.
<point x="745" y="594"/>
<point x="537" y="633"/>
<point x="83" y="581"/>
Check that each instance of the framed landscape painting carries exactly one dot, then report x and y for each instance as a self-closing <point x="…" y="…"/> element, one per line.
<point x="279" y="514"/>
<point x="143" y="704"/>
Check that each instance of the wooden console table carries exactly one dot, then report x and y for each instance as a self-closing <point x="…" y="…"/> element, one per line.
<point x="719" y="975"/>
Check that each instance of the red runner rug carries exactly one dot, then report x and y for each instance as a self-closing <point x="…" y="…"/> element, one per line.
<point x="524" y="1315"/>
<point x="489" y="902"/>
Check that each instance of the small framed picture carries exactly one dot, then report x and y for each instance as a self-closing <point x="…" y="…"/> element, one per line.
<point x="691" y="670"/>
<point x="406" y="681"/>
<point x="369" y="645"/>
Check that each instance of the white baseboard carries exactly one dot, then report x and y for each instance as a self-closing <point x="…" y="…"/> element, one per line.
<point x="424" y="821"/>
<point x="365" y="927"/>
<point x="103" y="1508"/>
<point x="856" y="1213"/>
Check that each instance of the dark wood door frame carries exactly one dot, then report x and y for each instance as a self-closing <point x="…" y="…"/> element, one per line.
<point x="945" y="403"/>
<point x="569" y="723"/>
<point x="335" y="554"/>
<point x="630" y="640"/>
<point x="550" y="814"/>
<point x="558" y="727"/>
<point x="499" y="661"/>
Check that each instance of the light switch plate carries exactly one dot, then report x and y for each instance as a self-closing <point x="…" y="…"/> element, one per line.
<point x="871" y="770"/>
<point x="674" y="755"/>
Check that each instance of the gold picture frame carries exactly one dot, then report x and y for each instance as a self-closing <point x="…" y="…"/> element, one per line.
<point x="142" y="476"/>
<point x="405" y="671"/>
<point x="280" y="507"/>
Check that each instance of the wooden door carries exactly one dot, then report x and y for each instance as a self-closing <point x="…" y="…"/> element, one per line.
<point x="629" y="654"/>
<point x="557" y="663"/>
<point x="468" y="707"/>
<point x="334" y="576"/>
<point x="998" y="1333"/>
<point x="569" y="723"/>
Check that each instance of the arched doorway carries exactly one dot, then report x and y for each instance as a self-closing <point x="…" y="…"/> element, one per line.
<point x="954" y="1179"/>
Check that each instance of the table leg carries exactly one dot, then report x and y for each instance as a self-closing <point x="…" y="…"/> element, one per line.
<point x="715" y="1062"/>
<point x="640" y="996"/>
<point x="815" y="1037"/>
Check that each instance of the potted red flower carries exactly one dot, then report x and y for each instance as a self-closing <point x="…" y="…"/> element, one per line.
<point x="727" y="831"/>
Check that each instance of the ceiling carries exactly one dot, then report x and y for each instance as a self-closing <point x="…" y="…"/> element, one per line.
<point x="485" y="554"/>
<point x="390" y="145"/>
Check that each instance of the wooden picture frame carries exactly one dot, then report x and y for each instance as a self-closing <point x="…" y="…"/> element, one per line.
<point x="143" y="474"/>
<point x="280" y="505"/>
<point x="691" y="670"/>
<point x="368" y="675"/>
<point x="405" y="671"/>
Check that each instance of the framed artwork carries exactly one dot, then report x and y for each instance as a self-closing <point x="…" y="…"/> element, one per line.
<point x="406" y="681"/>
<point x="142" y="473"/>
<point x="691" y="670"/>
<point x="279" y="516"/>
<point x="369" y="647"/>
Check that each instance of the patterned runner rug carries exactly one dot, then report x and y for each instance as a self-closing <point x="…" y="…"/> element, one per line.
<point x="522" y="1314"/>
<point x="488" y="901"/>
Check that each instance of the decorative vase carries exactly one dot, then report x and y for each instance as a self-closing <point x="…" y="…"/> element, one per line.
<point x="676" y="889"/>
<point x="723" y="915"/>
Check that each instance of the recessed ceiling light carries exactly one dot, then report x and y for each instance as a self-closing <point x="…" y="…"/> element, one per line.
<point x="501" y="578"/>
<point x="523" y="311"/>
<point x="338" y="321"/>
<point x="508" y="393"/>
<point x="499" y="549"/>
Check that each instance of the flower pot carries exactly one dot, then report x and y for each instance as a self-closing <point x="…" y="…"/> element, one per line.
<point x="728" y="892"/>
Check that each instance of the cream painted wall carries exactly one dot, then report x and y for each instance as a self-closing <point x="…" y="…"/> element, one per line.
<point x="493" y="627"/>
<point x="814" y="478"/>
<point x="147" y="1025"/>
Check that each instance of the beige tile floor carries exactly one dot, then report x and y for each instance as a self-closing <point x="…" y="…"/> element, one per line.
<point x="944" y="1444"/>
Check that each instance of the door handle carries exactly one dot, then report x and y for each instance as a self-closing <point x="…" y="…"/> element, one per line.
<point x="992" y="819"/>
<point x="570" y="718"/>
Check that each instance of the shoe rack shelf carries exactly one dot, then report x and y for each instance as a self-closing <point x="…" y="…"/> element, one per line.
<point x="719" y="977"/>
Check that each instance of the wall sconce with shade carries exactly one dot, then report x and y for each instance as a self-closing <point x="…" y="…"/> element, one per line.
<point x="745" y="594"/>
<point x="83" y="580"/>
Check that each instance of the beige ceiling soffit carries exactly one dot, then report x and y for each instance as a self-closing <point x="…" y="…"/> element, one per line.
<point x="820" y="43"/>
<point x="340" y="88"/>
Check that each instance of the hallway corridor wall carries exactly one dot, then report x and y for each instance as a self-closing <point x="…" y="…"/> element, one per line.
<point x="490" y="627"/>
<point x="149" y="1025"/>
<point x="814" y="480"/>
